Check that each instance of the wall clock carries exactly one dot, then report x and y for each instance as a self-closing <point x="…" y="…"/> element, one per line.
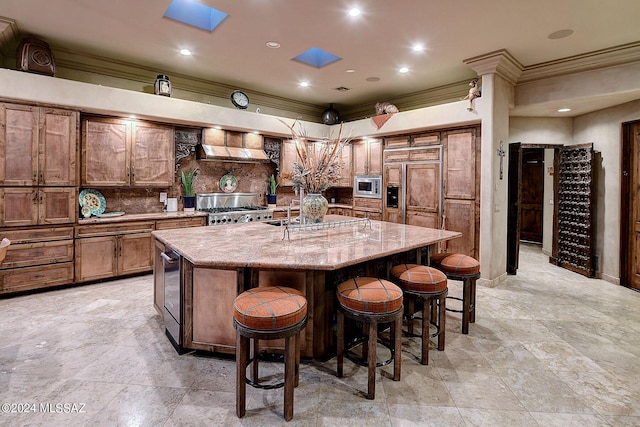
<point x="240" y="99"/>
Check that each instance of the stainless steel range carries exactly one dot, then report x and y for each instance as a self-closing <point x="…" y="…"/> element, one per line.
<point x="232" y="208"/>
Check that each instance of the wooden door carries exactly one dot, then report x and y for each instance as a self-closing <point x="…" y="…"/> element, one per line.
<point x="513" y="208"/>
<point x="58" y="147"/>
<point x="57" y="205"/>
<point x="459" y="164"/>
<point x="19" y="206"/>
<point x="359" y="158"/>
<point x="18" y="144"/>
<point x="153" y="155"/>
<point x="460" y="215"/>
<point x="422" y="198"/>
<point x="630" y="224"/>
<point x="135" y="253"/>
<point x="532" y="194"/>
<point x="106" y="152"/>
<point x="374" y="157"/>
<point x="346" y="179"/>
<point x="96" y="258"/>
<point x="288" y="156"/>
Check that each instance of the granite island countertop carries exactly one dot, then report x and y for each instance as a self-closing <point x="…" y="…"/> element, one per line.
<point x="261" y="245"/>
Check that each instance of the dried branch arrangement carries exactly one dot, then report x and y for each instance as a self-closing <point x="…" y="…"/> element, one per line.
<point x="318" y="166"/>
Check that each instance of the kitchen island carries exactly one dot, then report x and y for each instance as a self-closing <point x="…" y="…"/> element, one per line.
<point x="218" y="263"/>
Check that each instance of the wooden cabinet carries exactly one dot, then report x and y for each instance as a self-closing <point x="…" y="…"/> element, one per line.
<point x="140" y="154"/>
<point x="367" y="208"/>
<point x="346" y="178"/>
<point x="168" y="224"/>
<point x="288" y="156"/>
<point x="367" y="157"/>
<point x="37" y="258"/>
<point x="22" y="206"/>
<point x="103" y="251"/>
<point x="158" y="278"/>
<point x="422" y="203"/>
<point x="461" y="204"/>
<point x="38" y="146"/>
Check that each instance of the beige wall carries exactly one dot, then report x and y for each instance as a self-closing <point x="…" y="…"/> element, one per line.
<point x="603" y="128"/>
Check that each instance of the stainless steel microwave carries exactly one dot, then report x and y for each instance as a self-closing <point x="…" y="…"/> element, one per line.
<point x="367" y="186"/>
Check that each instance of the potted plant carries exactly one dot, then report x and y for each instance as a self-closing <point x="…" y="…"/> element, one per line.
<point x="271" y="192"/>
<point x="189" y="198"/>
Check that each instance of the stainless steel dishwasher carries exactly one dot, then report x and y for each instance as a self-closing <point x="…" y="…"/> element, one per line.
<point x="172" y="262"/>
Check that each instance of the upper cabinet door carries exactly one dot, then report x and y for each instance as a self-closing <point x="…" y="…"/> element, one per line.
<point x="153" y="161"/>
<point x="460" y="164"/>
<point x="58" y="153"/>
<point x="18" y="144"/>
<point x="105" y="152"/>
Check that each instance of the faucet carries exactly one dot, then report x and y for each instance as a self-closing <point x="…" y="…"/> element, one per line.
<point x="299" y="191"/>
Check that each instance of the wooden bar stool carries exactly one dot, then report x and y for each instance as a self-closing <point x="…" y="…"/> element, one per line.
<point x="467" y="270"/>
<point x="268" y="312"/>
<point x="371" y="301"/>
<point x="428" y="284"/>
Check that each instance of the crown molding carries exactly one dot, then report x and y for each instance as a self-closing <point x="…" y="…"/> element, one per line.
<point x="499" y="62"/>
<point x="604" y="58"/>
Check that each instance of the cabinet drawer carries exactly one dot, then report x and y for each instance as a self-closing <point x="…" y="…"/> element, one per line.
<point x="428" y="154"/>
<point x="396" y="142"/>
<point x="37" y="234"/>
<point x="38" y="253"/>
<point x="427" y="139"/>
<point x="360" y="203"/>
<point x="26" y="278"/>
<point x="113" y="229"/>
<point x="168" y="224"/>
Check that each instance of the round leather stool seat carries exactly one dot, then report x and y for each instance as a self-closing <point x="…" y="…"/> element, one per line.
<point x="459" y="264"/>
<point x="437" y="258"/>
<point x="269" y="308"/>
<point x="419" y="278"/>
<point x="369" y="295"/>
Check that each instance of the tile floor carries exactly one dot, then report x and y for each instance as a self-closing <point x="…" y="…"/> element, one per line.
<point x="550" y="348"/>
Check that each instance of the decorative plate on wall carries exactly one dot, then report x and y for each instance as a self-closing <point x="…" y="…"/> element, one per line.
<point x="94" y="200"/>
<point x="228" y="183"/>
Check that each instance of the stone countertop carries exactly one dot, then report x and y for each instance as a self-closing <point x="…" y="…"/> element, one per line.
<point x="260" y="245"/>
<point x="141" y="217"/>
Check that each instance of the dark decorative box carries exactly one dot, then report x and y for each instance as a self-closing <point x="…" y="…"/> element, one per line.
<point x="35" y="56"/>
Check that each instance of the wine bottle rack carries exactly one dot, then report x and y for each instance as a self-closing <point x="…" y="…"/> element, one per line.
<point x="575" y="209"/>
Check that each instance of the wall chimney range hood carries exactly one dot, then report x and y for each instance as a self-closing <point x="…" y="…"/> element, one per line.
<point x="229" y="146"/>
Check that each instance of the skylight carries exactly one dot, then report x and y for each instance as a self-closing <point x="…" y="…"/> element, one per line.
<point x="316" y="57"/>
<point x="195" y="14"/>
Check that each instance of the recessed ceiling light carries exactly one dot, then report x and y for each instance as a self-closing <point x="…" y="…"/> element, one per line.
<point x="417" y="47"/>
<point x="354" y="11"/>
<point x="564" y="110"/>
<point x="304" y="83"/>
<point x="560" y="34"/>
<point x="218" y="127"/>
<point x="185" y="52"/>
<point x="273" y="44"/>
<point x="373" y="79"/>
<point x="403" y="70"/>
<point x="350" y="70"/>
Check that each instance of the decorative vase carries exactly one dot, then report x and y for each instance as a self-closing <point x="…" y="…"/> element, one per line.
<point x="314" y="208"/>
<point x="189" y="203"/>
<point x="272" y="199"/>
